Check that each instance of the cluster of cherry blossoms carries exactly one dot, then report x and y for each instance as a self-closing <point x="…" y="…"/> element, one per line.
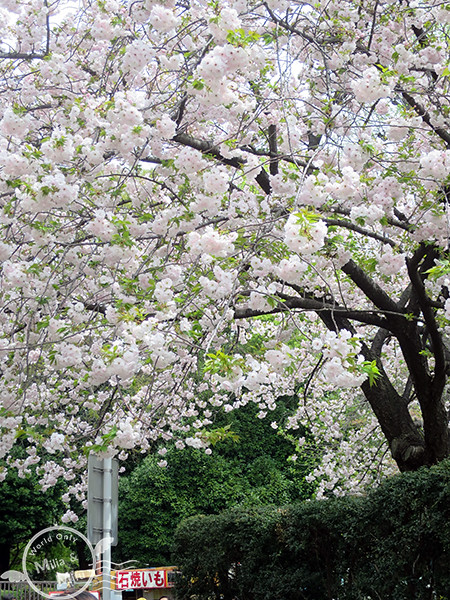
<point x="209" y="205"/>
<point x="303" y="236"/>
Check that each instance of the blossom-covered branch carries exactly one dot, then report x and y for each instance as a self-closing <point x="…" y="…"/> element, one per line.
<point x="211" y="204"/>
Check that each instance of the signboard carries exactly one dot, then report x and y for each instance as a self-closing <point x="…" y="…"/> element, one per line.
<point x="142" y="579"/>
<point x="84" y="574"/>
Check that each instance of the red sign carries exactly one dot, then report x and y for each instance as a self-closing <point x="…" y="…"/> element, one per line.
<point x="148" y="579"/>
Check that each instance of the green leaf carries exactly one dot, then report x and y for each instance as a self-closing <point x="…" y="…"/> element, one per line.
<point x="442" y="267"/>
<point x="219" y="435"/>
<point x="371" y="370"/>
<point x="107" y="438"/>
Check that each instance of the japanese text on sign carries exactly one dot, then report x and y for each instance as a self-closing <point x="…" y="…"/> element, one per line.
<point x="126" y="580"/>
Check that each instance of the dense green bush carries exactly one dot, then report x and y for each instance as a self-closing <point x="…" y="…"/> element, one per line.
<point x="393" y="544"/>
<point x="220" y="555"/>
<point x="249" y="467"/>
<point x="24" y="510"/>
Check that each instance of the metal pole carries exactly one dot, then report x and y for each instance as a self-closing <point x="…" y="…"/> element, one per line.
<point x="107" y="527"/>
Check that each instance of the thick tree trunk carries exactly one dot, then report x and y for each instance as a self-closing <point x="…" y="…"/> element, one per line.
<point x="412" y="443"/>
<point x="435" y="427"/>
<point x="403" y="435"/>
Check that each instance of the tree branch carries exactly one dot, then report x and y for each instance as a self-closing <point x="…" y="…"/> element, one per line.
<point x="371" y="289"/>
<point x="206" y="147"/>
<point x="288" y="303"/>
<point x="392" y="222"/>
<point x="273" y="148"/>
<point x="379" y="340"/>
<point x="420" y="110"/>
<point x="415" y="274"/>
<point x="293" y="161"/>
<point x="365" y="232"/>
<point x="21" y="55"/>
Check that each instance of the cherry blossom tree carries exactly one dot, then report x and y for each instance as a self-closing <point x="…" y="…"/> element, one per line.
<point x="211" y="203"/>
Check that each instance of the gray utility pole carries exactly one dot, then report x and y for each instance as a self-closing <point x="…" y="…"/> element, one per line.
<point x="103" y="484"/>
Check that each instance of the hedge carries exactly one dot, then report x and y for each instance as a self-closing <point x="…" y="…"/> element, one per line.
<point x="393" y="543"/>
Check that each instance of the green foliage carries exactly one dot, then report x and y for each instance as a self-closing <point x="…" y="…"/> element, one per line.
<point x="242" y="37"/>
<point x="248" y="467"/>
<point x="371" y="370"/>
<point x="441" y="268"/>
<point x="392" y="544"/>
<point x="24" y="510"/>
<point x="106" y="440"/>
<point x="153" y="500"/>
<point x="221" y="363"/>
<point x="224" y="553"/>
<point x="220" y="434"/>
